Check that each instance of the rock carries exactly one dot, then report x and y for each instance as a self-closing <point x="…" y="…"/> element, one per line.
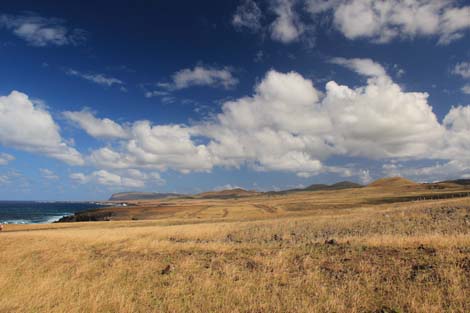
<point x="332" y="242"/>
<point x="166" y="270"/>
<point x="87" y="216"/>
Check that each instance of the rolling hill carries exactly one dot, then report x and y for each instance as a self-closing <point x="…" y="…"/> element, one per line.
<point x="392" y="182"/>
<point x="229" y="193"/>
<point x="126" y="196"/>
<point x="337" y="186"/>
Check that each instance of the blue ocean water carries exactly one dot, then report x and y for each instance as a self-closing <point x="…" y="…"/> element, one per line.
<point x="30" y="212"/>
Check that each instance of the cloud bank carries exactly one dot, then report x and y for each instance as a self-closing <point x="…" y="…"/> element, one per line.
<point x="287" y="125"/>
<point x="376" y="21"/>
<point x="383" y="21"/>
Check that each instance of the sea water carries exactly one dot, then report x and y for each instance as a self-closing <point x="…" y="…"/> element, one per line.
<point x="35" y="212"/>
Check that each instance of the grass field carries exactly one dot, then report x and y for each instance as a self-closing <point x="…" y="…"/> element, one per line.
<point x="358" y="250"/>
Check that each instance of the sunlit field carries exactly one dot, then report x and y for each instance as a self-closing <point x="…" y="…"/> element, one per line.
<point x="335" y="251"/>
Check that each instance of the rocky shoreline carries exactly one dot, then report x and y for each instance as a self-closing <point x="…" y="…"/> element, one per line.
<point x="87" y="216"/>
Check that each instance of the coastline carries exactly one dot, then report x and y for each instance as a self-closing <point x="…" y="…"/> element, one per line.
<point x="44" y="212"/>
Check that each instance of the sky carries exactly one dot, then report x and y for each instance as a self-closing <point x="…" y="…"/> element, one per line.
<point x="98" y="97"/>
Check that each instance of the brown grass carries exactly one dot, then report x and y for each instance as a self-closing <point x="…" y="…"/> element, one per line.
<point x="260" y="254"/>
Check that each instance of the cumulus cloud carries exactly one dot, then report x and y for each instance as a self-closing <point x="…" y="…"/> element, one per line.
<point x="6" y="158"/>
<point x="247" y="15"/>
<point x="159" y="147"/>
<point x="40" y="31"/>
<point x="287" y="26"/>
<point x="48" y="174"/>
<point x="380" y="120"/>
<point x="453" y="156"/>
<point x="383" y="21"/>
<point x="131" y="178"/>
<point x="30" y="127"/>
<point x="79" y="178"/>
<point x="441" y="170"/>
<point x="202" y="76"/>
<point x="279" y="128"/>
<point x="198" y="76"/>
<point x="226" y="187"/>
<point x="99" y="79"/>
<point x="318" y="6"/>
<point x="457" y="137"/>
<point x="462" y="69"/>
<point x="466" y="89"/>
<point x="95" y="127"/>
<point x="365" y="67"/>
<point x="288" y="125"/>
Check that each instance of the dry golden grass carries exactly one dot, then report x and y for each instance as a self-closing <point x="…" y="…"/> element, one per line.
<point x="259" y="254"/>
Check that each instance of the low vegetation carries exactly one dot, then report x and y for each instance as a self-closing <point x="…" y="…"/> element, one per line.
<point x="325" y="251"/>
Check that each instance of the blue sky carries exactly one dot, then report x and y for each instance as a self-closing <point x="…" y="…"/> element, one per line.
<point x="187" y="97"/>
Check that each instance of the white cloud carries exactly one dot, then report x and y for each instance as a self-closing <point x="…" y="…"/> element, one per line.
<point x="288" y="125"/>
<point x="287" y="26"/>
<point x="462" y="69"/>
<point x="466" y="89"/>
<point x="156" y="93"/>
<point x="29" y="127"/>
<point x="40" y="31"/>
<point x="198" y="76"/>
<point x="79" y="178"/>
<point x="279" y="128"/>
<point x="365" y="67"/>
<point x="159" y="147"/>
<point x="364" y="177"/>
<point x="131" y="178"/>
<point x="4" y="179"/>
<point x="380" y="120"/>
<point x="227" y="187"/>
<point x="453" y="169"/>
<point x="248" y="15"/>
<point x="95" y="127"/>
<point x="99" y="79"/>
<point x="6" y="158"/>
<point x="453" y="154"/>
<point x="203" y="76"/>
<point x="48" y="174"/>
<point x="383" y="21"/>
<point x="457" y="137"/>
<point x="318" y="6"/>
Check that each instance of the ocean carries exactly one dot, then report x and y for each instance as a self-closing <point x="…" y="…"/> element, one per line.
<point x="36" y="212"/>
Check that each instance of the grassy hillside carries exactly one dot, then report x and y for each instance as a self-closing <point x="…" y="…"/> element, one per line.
<point x="328" y="251"/>
<point x="124" y="196"/>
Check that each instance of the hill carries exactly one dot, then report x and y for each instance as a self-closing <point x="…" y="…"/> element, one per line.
<point x="463" y="182"/>
<point x="392" y="182"/>
<point x="367" y="248"/>
<point x="229" y="193"/>
<point x="337" y="186"/>
<point x="126" y="196"/>
<point x="321" y="187"/>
